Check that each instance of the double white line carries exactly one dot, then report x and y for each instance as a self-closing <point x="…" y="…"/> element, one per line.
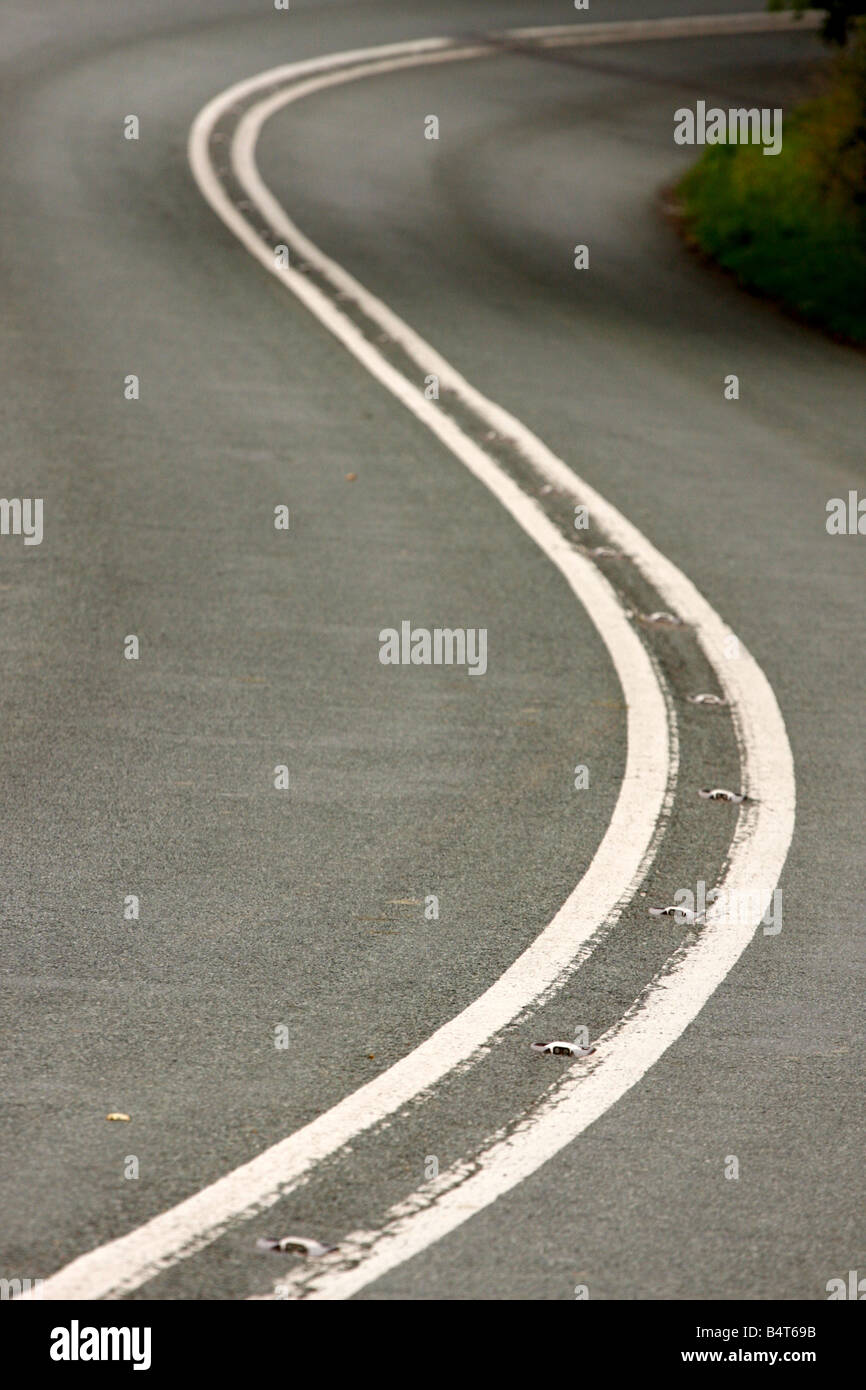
<point x="764" y="827"/>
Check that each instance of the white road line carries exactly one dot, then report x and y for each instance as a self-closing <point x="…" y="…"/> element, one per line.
<point x="690" y="27"/>
<point x="625" y="1053"/>
<point x="658" y="1018"/>
<point x="763" y="832"/>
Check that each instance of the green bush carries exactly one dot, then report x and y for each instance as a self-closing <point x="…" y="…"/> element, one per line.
<point x="793" y="225"/>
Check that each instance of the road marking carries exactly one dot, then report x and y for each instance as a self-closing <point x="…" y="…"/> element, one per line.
<point x="763" y="830"/>
<point x="691" y="27"/>
<point x="758" y="853"/>
<point x="624" y="1054"/>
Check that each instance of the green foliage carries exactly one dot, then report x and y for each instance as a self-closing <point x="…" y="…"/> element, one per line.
<point x="836" y="129"/>
<point x="841" y="15"/>
<point x="793" y="226"/>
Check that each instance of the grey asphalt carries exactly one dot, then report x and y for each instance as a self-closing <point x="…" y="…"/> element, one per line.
<point x="262" y="908"/>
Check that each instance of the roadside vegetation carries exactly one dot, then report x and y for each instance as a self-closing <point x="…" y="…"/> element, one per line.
<point x="793" y="225"/>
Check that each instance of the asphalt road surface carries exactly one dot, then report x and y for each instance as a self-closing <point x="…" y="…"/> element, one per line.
<point x="308" y="909"/>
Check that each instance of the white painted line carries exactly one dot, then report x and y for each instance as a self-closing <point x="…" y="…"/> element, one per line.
<point x="758" y="854"/>
<point x="624" y="1054"/>
<point x="690" y="27"/>
<point x="628" y="845"/>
